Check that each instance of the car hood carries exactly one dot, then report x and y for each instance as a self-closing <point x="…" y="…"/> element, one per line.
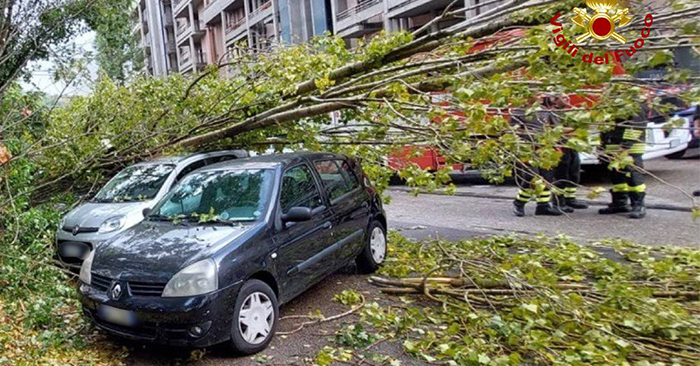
<point x="94" y="214"/>
<point x="155" y="251"/>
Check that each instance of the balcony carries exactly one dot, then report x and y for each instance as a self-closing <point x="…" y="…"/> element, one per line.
<point x="184" y="61"/>
<point x="200" y="30"/>
<point x="235" y="29"/>
<point x="410" y="8"/>
<point x="184" y="30"/>
<point x="179" y="6"/>
<point x="262" y="12"/>
<point x="213" y="11"/>
<point x="351" y="21"/>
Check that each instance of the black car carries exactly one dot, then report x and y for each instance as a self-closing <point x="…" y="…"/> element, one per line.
<point x="216" y="256"/>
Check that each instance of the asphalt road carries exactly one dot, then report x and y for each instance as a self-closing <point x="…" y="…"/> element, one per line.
<point x="487" y="210"/>
<point x="456" y="217"/>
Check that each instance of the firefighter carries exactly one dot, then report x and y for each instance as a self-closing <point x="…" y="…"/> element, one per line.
<point x="567" y="174"/>
<point x="628" y="182"/>
<point x="525" y="175"/>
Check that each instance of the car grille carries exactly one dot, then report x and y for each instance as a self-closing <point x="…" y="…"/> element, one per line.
<point x="81" y="229"/>
<point x="136" y="288"/>
<point x="100" y="282"/>
<point x="146" y="288"/>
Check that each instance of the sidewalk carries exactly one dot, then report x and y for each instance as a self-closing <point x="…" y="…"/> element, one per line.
<point x="508" y="192"/>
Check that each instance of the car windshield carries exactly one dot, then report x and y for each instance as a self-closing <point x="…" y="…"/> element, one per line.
<point x="135" y="183"/>
<point x="217" y="196"/>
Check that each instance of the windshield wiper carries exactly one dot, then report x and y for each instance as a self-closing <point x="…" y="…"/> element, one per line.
<point x="101" y="200"/>
<point x="216" y="221"/>
<point x="159" y="217"/>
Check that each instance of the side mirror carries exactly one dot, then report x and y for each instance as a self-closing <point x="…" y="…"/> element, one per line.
<point x="297" y="214"/>
<point x="146" y="211"/>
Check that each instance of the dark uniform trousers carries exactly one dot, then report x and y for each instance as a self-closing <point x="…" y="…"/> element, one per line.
<point x="632" y="140"/>
<point x="568" y="173"/>
<point x="524" y="176"/>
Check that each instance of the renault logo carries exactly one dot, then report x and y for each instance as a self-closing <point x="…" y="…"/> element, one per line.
<point x="76" y="230"/>
<point x="116" y="291"/>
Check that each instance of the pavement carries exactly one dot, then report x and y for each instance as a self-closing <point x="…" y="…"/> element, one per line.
<point x="476" y="210"/>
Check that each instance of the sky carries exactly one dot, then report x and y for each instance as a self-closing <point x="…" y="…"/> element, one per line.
<point x="41" y="71"/>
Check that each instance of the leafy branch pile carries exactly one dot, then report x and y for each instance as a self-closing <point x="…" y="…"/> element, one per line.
<point x="543" y="301"/>
<point x="40" y="318"/>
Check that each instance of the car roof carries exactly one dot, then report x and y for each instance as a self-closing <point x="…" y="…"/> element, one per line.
<point x="177" y="159"/>
<point x="272" y="160"/>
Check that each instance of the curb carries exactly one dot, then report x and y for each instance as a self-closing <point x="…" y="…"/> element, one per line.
<point x="499" y="197"/>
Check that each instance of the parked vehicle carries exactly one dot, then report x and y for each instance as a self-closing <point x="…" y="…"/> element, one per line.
<point x="218" y="254"/>
<point x="692" y="117"/>
<point x="118" y="205"/>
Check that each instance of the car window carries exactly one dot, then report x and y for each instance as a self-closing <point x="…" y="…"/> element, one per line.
<point x="135" y="183"/>
<point x="219" y="159"/>
<point x="337" y="177"/>
<point x="299" y="189"/>
<point x="190" y="168"/>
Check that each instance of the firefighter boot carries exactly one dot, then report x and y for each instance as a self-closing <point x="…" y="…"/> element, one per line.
<point x="560" y="203"/>
<point x="619" y="204"/>
<point x="638" y="208"/>
<point x="519" y="208"/>
<point x="571" y="201"/>
<point x="576" y="204"/>
<point x="546" y="209"/>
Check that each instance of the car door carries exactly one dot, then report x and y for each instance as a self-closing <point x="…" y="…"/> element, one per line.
<point x="349" y="204"/>
<point x="304" y="253"/>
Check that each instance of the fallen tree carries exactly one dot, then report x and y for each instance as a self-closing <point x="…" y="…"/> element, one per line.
<point x="384" y="93"/>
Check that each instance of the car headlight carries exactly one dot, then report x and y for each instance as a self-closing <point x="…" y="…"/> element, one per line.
<point x="196" y="279"/>
<point x="112" y="224"/>
<point x="62" y="223"/>
<point x="86" y="268"/>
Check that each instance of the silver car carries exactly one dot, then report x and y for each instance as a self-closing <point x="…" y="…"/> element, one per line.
<point x="120" y="203"/>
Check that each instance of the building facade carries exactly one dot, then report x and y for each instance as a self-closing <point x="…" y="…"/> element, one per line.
<point x="186" y="35"/>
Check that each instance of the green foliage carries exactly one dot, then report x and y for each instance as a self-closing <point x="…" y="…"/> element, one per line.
<point x="40" y="321"/>
<point x="348" y="297"/>
<point x="353" y="335"/>
<point x="118" y="52"/>
<point x="625" y="320"/>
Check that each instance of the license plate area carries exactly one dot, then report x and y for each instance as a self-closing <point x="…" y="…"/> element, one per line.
<point x="72" y="249"/>
<point x="117" y="316"/>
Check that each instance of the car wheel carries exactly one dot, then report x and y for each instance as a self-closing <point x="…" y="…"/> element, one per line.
<point x="255" y="317"/>
<point x="375" y="250"/>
